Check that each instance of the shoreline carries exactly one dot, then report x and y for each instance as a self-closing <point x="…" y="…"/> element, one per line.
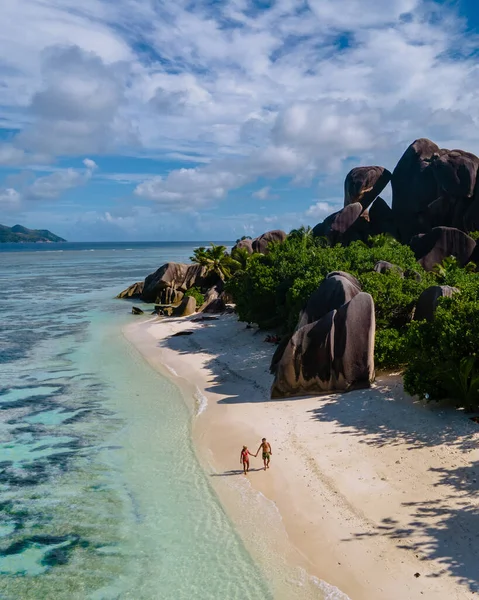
<point x="356" y="493"/>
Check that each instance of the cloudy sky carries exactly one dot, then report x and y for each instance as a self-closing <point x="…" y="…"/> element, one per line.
<point x="192" y="120"/>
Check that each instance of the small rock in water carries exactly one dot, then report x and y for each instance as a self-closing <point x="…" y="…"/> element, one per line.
<point x="199" y="319"/>
<point x="136" y="311"/>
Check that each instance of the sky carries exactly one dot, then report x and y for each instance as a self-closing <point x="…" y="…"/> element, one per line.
<point x="124" y="120"/>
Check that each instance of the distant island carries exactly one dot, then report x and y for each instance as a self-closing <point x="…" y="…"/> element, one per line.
<point x="18" y="233"/>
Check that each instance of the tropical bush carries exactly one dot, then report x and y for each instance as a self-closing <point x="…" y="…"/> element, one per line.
<point x="443" y="353"/>
<point x="272" y="289"/>
<point x="216" y="260"/>
<point x="440" y="358"/>
<point x="196" y="294"/>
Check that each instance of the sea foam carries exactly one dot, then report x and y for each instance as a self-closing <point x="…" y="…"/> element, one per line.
<point x="201" y="401"/>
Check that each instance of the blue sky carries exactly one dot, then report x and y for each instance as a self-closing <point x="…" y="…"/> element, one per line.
<point x="192" y="120"/>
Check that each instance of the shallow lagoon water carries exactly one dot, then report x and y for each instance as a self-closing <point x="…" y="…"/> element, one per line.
<point x="101" y="492"/>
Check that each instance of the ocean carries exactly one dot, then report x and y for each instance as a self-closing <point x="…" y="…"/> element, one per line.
<point x="101" y="493"/>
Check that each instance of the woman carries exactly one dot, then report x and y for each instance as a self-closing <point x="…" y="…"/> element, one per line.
<point x="244" y="459"/>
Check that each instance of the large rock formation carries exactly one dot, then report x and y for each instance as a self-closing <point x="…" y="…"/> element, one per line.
<point x="214" y="306"/>
<point x="245" y="244"/>
<point x="168" y="284"/>
<point x="134" y="291"/>
<point x="381" y="219"/>
<point x="186" y="307"/>
<point x="335" y="353"/>
<point x="383" y="266"/>
<point x="364" y="184"/>
<point x="347" y="276"/>
<point x="433" y="247"/>
<point x="414" y="188"/>
<point x="455" y="172"/>
<point x="432" y="187"/>
<point x="260" y="244"/>
<point x="427" y="301"/>
<point x="343" y="226"/>
<point x="332" y="293"/>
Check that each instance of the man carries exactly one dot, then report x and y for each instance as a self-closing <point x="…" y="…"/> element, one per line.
<point x="266" y="449"/>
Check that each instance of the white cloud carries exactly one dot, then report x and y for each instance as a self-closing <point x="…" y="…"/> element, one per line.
<point x="184" y="189"/>
<point x="290" y="91"/>
<point x="10" y="200"/>
<point x="47" y="187"/>
<point x="90" y="164"/>
<point x="52" y="186"/>
<point x="263" y="193"/>
<point x="347" y="15"/>
<point x="319" y="210"/>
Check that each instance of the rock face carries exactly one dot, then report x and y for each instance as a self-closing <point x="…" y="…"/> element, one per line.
<point x="335" y="353"/>
<point x="433" y="247"/>
<point x="214" y="306"/>
<point x="246" y="244"/>
<point x="383" y="266"/>
<point x="431" y="187"/>
<point x="347" y="276"/>
<point x="134" y="291"/>
<point x="364" y="184"/>
<point x="168" y="284"/>
<point x="455" y="172"/>
<point x="260" y="244"/>
<point x="332" y="293"/>
<point x="381" y="219"/>
<point x="186" y="307"/>
<point x="343" y="226"/>
<point x="427" y="301"/>
<point x="414" y="188"/>
<point x="213" y="293"/>
<point x="336" y="289"/>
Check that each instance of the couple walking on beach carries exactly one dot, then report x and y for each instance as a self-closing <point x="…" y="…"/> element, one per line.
<point x="245" y="454"/>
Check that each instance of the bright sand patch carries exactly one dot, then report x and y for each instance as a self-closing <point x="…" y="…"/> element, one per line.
<point x="366" y="489"/>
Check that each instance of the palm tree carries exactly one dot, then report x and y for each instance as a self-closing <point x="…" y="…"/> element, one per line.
<point x="215" y="259"/>
<point x="239" y="258"/>
<point x="300" y="233"/>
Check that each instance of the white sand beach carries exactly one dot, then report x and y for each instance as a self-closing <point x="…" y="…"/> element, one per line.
<point x="377" y="494"/>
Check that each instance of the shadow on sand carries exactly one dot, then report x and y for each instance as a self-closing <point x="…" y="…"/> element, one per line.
<point x="234" y="472"/>
<point x="446" y="530"/>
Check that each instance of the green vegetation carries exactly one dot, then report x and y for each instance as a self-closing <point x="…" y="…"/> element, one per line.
<point x="443" y="354"/>
<point x="273" y="288"/>
<point x="196" y="294"/>
<point x="18" y="233"/>
<point x="216" y="259"/>
<point x="440" y="359"/>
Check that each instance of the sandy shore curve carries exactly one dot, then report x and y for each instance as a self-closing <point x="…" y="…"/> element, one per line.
<point x="369" y="491"/>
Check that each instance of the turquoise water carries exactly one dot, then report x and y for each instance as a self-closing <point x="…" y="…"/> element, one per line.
<point x="101" y="493"/>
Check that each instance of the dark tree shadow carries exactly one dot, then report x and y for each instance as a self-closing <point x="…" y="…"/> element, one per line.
<point x="362" y="413"/>
<point x="446" y="530"/>
<point x="249" y="367"/>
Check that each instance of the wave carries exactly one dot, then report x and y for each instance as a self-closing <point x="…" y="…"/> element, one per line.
<point x="202" y="401"/>
<point x="330" y="592"/>
<point x="171" y="370"/>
